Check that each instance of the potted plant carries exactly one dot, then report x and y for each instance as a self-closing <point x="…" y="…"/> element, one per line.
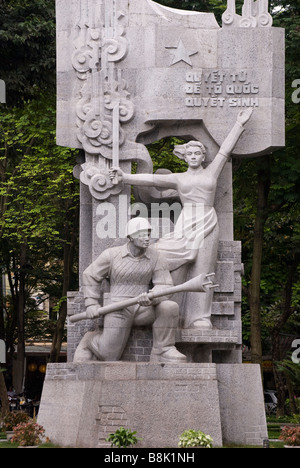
<point x="122" y="438"/>
<point x="11" y="420"/>
<point x="191" y="438"/>
<point x="28" y="434"/>
<point x="291" y="436"/>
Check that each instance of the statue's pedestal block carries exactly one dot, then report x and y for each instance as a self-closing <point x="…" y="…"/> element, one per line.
<point x="82" y="403"/>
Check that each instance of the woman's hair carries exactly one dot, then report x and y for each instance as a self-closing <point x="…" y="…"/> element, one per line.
<point x="180" y="150"/>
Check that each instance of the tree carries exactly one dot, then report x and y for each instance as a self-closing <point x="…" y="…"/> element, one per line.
<point x="27" y="48"/>
<point x="3" y="395"/>
<point x="31" y="232"/>
<point x="263" y="188"/>
<point x="39" y="206"/>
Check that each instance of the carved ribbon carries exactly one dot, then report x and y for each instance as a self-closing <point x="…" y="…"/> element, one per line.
<point x="98" y="49"/>
<point x="99" y="182"/>
<point x="100" y="44"/>
<point x="254" y="14"/>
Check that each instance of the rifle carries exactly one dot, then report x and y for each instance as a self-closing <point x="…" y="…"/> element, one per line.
<point x="201" y="283"/>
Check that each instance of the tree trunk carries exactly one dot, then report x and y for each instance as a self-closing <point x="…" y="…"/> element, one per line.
<point x="278" y="375"/>
<point x="59" y="333"/>
<point x="286" y="311"/>
<point x="2" y="327"/>
<point x="263" y="188"/>
<point x="292" y="396"/>
<point x="20" y="361"/>
<point x="12" y="323"/>
<point x="3" y="396"/>
<point x="69" y="253"/>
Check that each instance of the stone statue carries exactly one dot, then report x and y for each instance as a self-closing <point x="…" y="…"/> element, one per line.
<point x="131" y="268"/>
<point x="192" y="247"/>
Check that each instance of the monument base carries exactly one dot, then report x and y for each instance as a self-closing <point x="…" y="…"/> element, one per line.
<point x="82" y="403"/>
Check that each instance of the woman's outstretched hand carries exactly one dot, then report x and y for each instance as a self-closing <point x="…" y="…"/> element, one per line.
<point x="244" y="116"/>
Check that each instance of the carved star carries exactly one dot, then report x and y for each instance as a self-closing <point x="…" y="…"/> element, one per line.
<point x="181" y="54"/>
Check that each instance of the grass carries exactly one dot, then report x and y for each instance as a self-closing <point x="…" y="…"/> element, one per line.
<point x="12" y="445"/>
<point x="274" y="431"/>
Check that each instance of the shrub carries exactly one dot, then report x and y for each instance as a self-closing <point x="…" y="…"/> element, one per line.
<point x="28" y="434"/>
<point x="11" y="420"/>
<point x="290" y="435"/>
<point x="295" y="419"/>
<point x="193" y="438"/>
<point x="122" y="438"/>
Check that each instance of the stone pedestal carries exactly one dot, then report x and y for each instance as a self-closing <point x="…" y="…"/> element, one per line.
<point x="83" y="403"/>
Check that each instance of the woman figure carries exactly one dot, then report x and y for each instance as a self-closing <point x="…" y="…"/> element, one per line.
<point x="193" y="246"/>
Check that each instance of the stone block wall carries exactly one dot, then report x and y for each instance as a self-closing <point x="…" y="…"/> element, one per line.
<point x="83" y="403"/>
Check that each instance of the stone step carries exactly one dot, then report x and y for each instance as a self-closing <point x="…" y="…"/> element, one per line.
<point x="194" y="335"/>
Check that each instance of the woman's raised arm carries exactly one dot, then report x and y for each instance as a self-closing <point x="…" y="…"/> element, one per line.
<point x="217" y="165"/>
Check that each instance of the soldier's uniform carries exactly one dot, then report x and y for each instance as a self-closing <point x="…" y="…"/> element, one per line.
<point x="131" y="276"/>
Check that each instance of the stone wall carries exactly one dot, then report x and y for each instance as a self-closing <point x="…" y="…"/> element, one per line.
<point x="83" y="403"/>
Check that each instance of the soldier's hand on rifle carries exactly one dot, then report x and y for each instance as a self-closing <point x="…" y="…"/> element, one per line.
<point x="160" y="299"/>
<point x="144" y="300"/>
<point x="92" y="311"/>
<point x="115" y="173"/>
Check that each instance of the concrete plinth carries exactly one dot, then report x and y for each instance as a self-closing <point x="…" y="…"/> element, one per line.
<point x="242" y="404"/>
<point x="83" y="403"/>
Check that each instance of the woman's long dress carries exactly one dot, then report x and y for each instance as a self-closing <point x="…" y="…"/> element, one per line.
<point x="191" y="249"/>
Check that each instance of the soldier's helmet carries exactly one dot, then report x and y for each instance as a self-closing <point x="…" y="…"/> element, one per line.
<point x="136" y="225"/>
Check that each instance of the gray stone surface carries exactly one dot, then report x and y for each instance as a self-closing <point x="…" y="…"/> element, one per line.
<point x="242" y="404"/>
<point x="83" y="403"/>
<point x="158" y="401"/>
<point x="171" y="61"/>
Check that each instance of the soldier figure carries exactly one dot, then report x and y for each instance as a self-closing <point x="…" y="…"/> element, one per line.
<point x="131" y="269"/>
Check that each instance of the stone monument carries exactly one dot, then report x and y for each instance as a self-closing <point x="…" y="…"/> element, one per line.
<point x="130" y="73"/>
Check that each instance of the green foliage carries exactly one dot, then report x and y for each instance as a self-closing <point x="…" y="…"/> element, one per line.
<point x="161" y="153"/>
<point x="295" y="419"/>
<point x="191" y="438"/>
<point x="123" y="438"/>
<point x="35" y="173"/>
<point x="27" y="48"/>
<point x="39" y="200"/>
<point x="291" y="369"/>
